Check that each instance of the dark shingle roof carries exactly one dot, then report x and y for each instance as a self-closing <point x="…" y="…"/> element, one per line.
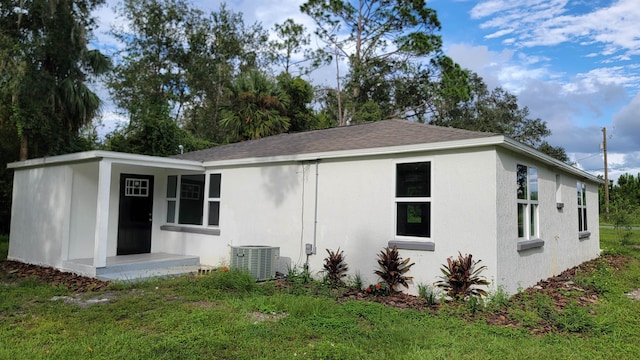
<point x="365" y="136"/>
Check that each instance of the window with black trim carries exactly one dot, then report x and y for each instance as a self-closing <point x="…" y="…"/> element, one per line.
<point x="527" y="200"/>
<point x="172" y="190"/>
<point x="185" y="199"/>
<point x="214" y="199"/>
<point x="582" y="206"/>
<point x="413" y="199"/>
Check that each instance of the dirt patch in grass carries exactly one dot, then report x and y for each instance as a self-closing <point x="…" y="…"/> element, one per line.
<point x="83" y="303"/>
<point x="203" y="304"/>
<point x="635" y="294"/>
<point x="257" y="316"/>
<point x="398" y="301"/>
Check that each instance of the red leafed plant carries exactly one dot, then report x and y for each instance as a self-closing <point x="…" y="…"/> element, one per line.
<point x="461" y="278"/>
<point x="393" y="269"/>
<point x="335" y="267"/>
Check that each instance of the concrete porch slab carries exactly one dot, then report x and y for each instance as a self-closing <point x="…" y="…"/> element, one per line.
<point x="136" y="267"/>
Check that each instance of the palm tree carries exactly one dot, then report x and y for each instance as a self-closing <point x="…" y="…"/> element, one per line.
<point x="48" y="70"/>
<point x="254" y="107"/>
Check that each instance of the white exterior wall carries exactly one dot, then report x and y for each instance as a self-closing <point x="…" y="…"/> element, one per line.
<point x="463" y="213"/>
<point x="161" y="241"/>
<point x="82" y="215"/>
<point x="557" y="228"/>
<point x="473" y="210"/>
<point x="265" y="205"/>
<point x="40" y="214"/>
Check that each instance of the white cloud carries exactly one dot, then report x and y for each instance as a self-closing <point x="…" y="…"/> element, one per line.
<point x="575" y="108"/>
<point x="547" y="23"/>
<point x="499" y="33"/>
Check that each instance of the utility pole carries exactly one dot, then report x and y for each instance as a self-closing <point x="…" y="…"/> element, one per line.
<point x="606" y="171"/>
<point x="340" y="117"/>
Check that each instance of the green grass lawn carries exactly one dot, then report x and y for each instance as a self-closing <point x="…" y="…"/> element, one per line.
<point x="226" y="316"/>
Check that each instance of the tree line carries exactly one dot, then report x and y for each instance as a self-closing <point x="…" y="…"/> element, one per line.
<point x="624" y="201"/>
<point x="197" y="79"/>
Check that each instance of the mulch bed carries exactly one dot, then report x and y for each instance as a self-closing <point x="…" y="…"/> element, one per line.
<point x="52" y="276"/>
<point x="561" y="289"/>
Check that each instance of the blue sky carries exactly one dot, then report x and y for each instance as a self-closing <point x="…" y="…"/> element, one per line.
<point x="574" y="64"/>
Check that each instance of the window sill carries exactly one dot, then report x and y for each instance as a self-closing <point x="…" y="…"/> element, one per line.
<point x="582" y="235"/>
<point x="413" y="245"/>
<point x="530" y="244"/>
<point x="188" y="229"/>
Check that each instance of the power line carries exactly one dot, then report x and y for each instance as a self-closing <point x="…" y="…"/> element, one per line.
<point x="588" y="157"/>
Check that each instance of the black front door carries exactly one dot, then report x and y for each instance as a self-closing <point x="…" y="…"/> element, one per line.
<point x="134" y="221"/>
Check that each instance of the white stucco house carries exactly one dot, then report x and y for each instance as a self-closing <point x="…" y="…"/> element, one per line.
<point x="432" y="191"/>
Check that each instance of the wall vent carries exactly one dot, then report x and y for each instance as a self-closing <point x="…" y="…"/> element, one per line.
<point x="261" y="261"/>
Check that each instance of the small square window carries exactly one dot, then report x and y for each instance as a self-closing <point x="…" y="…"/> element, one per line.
<point x="136" y="187"/>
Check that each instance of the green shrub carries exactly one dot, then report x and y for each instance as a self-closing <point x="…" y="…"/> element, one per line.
<point x="533" y="309"/>
<point x="230" y="280"/>
<point x="575" y="318"/>
<point x="474" y="304"/>
<point x="428" y="293"/>
<point x="299" y="275"/>
<point x="355" y="281"/>
<point x="498" y="299"/>
<point x="600" y="280"/>
<point x="299" y="280"/>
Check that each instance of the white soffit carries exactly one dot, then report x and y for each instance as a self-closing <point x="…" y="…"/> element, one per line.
<point x="531" y="152"/>
<point x="114" y="157"/>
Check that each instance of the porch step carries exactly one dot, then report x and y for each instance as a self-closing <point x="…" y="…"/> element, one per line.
<point x="144" y="274"/>
<point x="139" y="267"/>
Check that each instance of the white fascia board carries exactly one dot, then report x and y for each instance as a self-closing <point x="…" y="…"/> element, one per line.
<point x="527" y="150"/>
<point x="340" y="154"/>
<point x="115" y="157"/>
